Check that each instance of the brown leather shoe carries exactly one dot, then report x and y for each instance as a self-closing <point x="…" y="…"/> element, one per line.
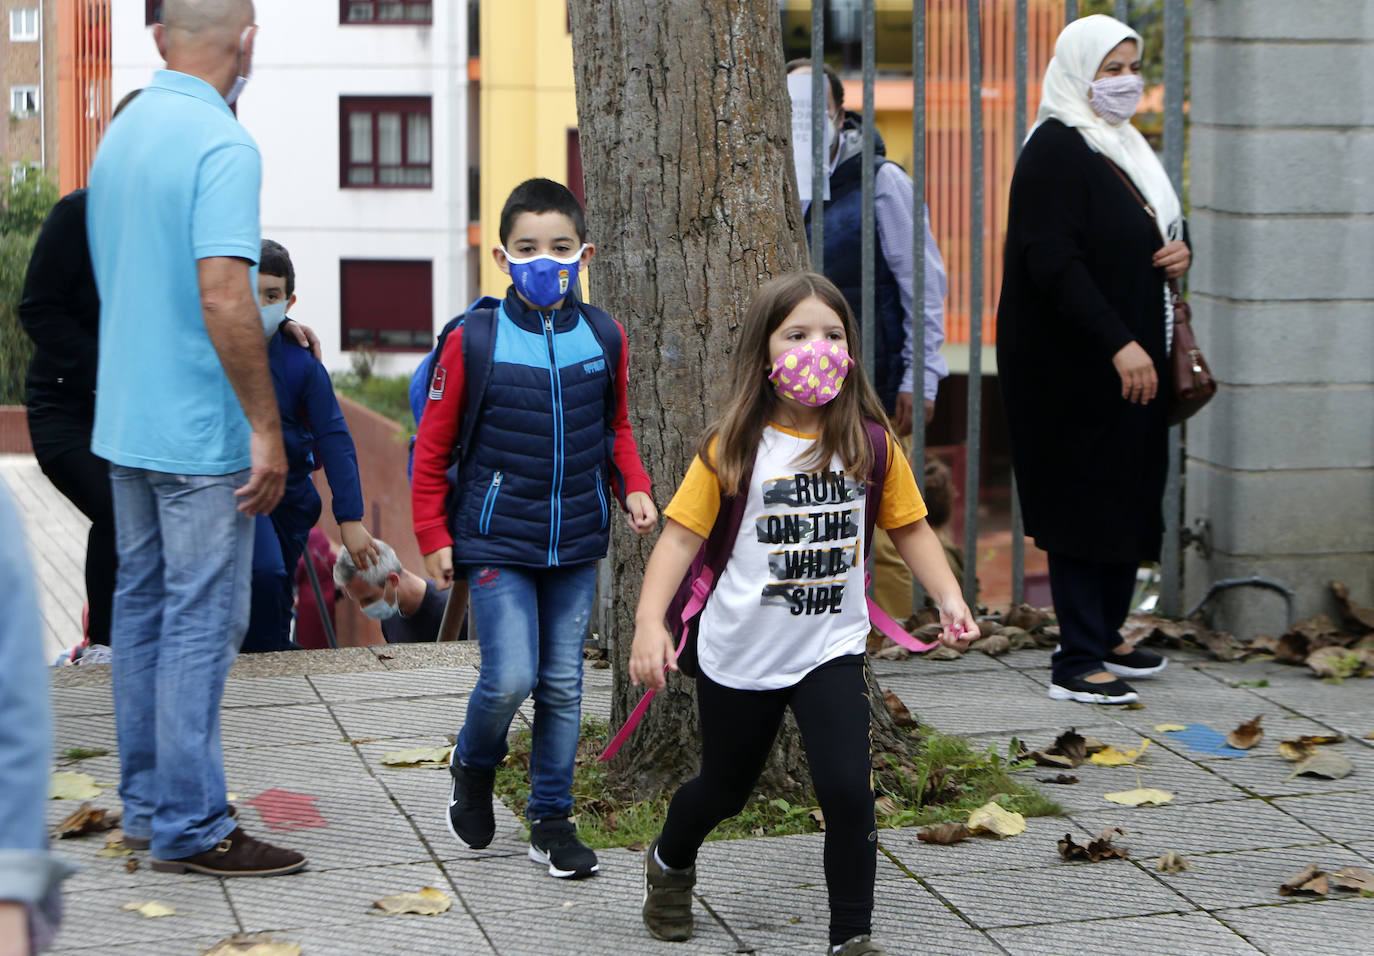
<point x="142" y="843"/>
<point x="238" y="854"/>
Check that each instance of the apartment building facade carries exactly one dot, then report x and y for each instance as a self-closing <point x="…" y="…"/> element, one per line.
<point x="28" y="74"/>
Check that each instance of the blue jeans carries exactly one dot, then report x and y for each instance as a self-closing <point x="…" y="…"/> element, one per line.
<point x="531" y="625"/>
<point x="180" y="611"/>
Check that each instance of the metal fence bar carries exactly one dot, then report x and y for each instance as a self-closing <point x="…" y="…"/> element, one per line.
<point x="868" y="247"/>
<point x="918" y="258"/>
<point x="1070" y="11"/>
<point x="1171" y="557"/>
<point x="1018" y="527"/>
<point x="819" y="117"/>
<point x="975" y="333"/>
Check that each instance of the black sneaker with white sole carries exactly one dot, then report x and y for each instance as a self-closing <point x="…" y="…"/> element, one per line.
<point x="1085" y="692"/>
<point x="1138" y="663"/>
<point x="469" y="817"/>
<point x="554" y="842"/>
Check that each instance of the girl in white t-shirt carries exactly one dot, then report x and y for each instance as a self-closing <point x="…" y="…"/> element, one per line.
<point x="787" y="622"/>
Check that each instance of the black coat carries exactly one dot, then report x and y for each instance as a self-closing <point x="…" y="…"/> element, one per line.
<point x="1077" y="286"/>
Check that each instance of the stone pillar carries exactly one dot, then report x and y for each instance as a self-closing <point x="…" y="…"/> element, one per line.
<point x="1282" y="216"/>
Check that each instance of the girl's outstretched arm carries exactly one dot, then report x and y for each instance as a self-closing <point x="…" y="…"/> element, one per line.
<point x="653" y="648"/>
<point x="920" y="548"/>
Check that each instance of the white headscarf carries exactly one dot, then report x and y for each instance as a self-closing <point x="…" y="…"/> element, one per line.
<point x="1078" y="53"/>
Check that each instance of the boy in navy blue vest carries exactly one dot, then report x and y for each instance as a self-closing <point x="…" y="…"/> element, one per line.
<point x="315" y="434"/>
<point x="546" y="445"/>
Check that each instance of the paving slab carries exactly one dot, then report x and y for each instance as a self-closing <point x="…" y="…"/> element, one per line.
<point x="1217" y="881"/>
<point x="401" y="717"/>
<point x="369" y="685"/>
<point x="335" y="896"/>
<point x="1269" y="775"/>
<point x="570" y="928"/>
<point x="1058" y="893"/>
<point x="1345" y="817"/>
<point x="1317" y="928"/>
<point x="1200" y="828"/>
<point x="1037" y="846"/>
<point x="1192" y="934"/>
<point x="202" y="910"/>
<point x="268" y="691"/>
<point x="267" y="726"/>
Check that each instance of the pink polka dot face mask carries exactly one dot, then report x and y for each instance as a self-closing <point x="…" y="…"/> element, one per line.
<point x="811" y="373"/>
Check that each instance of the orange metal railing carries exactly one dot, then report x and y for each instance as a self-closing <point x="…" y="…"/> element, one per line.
<point x="83" y="86"/>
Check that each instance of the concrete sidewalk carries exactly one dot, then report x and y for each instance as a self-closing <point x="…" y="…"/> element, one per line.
<point x="313" y="727"/>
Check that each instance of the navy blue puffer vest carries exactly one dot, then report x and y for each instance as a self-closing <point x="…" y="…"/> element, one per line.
<point x="533" y="488"/>
<point x="844" y="267"/>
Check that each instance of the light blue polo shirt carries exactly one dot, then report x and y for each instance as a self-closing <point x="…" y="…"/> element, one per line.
<point x="175" y="180"/>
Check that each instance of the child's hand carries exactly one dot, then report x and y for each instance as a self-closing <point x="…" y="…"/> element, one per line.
<point x="650" y="653"/>
<point x="439" y="566"/>
<point x="957" y="623"/>
<point x="359" y="544"/>
<point x="640" y="512"/>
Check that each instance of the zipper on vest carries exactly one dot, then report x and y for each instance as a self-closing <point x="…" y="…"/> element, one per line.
<point x="601" y="496"/>
<point x="556" y="394"/>
<point x="489" y="503"/>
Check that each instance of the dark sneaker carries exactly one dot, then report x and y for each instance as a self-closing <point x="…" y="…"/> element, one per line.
<point x="554" y="842"/>
<point x="238" y="854"/>
<point x="858" y="946"/>
<point x="470" y="818"/>
<point x="1076" y="688"/>
<point x="142" y="843"/>
<point x="667" y="898"/>
<point x="1138" y="663"/>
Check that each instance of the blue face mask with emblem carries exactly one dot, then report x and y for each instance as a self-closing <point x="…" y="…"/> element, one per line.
<point x="543" y="280"/>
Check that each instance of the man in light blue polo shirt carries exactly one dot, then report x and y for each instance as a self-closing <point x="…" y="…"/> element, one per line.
<point x="187" y="416"/>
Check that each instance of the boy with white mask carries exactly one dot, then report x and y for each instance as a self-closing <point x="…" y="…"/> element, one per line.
<point x="315" y="435"/>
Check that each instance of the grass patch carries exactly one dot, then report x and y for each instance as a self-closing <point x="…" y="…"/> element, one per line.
<point x="387" y="395"/>
<point x="944" y="781"/>
<point x="82" y="753"/>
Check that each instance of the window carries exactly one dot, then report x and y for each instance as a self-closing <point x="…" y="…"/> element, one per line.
<point x="385" y="11"/>
<point x="23" y="101"/>
<point x="386" y="304"/>
<point x="152" y="12"/>
<point x="385" y="142"/>
<point x="24" y="24"/>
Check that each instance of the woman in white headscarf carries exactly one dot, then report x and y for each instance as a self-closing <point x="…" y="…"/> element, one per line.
<point x="1082" y="349"/>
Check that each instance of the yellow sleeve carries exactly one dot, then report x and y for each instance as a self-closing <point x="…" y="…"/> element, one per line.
<point x="697" y="500"/>
<point x="902" y="503"/>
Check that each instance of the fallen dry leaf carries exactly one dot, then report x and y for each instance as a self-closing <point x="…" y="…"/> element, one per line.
<point x="1068" y="750"/>
<point x="71" y="785"/>
<point x="1170" y="728"/>
<point x="1172" y="862"/>
<point x="1354" y="878"/>
<point x="418" y="757"/>
<point x="900" y="715"/>
<point x="1310" y="882"/>
<point x="1111" y="757"/>
<point x="944" y="833"/>
<point x="114" y="836"/>
<point x="816" y="815"/>
<point x="994" y="645"/>
<point x="130" y="865"/>
<point x="995" y="819"/>
<point x="1025" y="617"/>
<point x="943" y="653"/>
<point x="885" y="806"/>
<point x="1096" y="850"/>
<point x="1300" y="748"/>
<point x="151" y="910"/>
<point x="1339" y="663"/>
<point x="1358" y="617"/>
<point x="1058" y="778"/>
<point x="1139" y="797"/>
<point x="1246" y="735"/>
<point x="246" y="944"/>
<point x="86" y="819"/>
<point x="427" y="902"/>
<point x="1324" y="763"/>
<point x="114" y="851"/>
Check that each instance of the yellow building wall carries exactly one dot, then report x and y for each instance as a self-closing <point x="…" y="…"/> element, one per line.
<point x="528" y="105"/>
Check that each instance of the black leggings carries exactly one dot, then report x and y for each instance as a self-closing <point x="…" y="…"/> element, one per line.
<point x="737" y="732"/>
<point x="1091" y="601"/>
<point x="84" y="479"/>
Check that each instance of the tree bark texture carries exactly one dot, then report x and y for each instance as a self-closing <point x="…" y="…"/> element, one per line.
<point x="684" y="126"/>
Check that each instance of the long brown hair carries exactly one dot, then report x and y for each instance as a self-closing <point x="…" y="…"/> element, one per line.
<point x="752" y="399"/>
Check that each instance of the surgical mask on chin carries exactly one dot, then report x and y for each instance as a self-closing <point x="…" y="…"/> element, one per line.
<point x="241" y="80"/>
<point x="1115" y="98"/>
<point x="272" y="317"/>
<point x="543" y="280"/>
<point x="382" y="609"/>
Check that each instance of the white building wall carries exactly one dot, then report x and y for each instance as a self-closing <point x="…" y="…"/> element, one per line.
<point x="304" y="60"/>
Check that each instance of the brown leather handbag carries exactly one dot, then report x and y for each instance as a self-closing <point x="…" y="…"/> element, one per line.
<point x="1193" y="382"/>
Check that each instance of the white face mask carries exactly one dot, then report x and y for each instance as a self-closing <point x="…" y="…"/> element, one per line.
<point x="382" y="609"/>
<point x="272" y="316"/>
<point x="1115" y="98"/>
<point x="242" y="79"/>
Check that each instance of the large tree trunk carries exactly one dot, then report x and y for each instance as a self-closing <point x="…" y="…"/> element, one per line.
<point x="684" y="124"/>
